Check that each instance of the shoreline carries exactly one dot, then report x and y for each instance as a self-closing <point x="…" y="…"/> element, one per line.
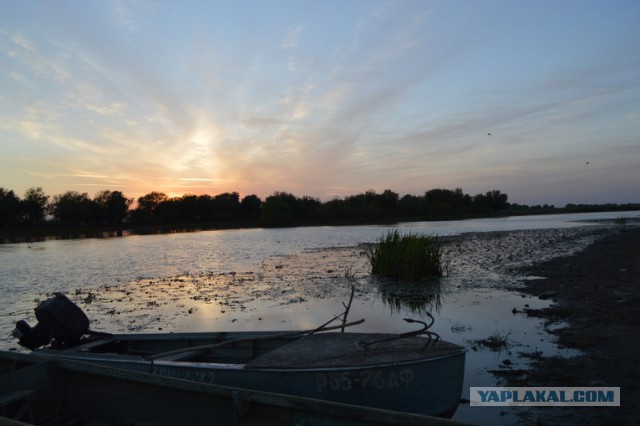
<point x="56" y="232"/>
<point x="596" y="302"/>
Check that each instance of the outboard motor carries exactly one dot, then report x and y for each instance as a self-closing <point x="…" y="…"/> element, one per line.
<point x="58" y="318"/>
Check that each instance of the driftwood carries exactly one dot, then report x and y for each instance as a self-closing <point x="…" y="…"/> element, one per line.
<point x="347" y="307"/>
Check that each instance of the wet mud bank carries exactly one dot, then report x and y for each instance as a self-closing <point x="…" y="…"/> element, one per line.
<point x="596" y="310"/>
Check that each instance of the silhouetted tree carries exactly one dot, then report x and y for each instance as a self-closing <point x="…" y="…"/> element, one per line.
<point x="461" y="202"/>
<point x="73" y="208"/>
<point x="410" y="206"/>
<point x="335" y="211"/>
<point x="387" y="202"/>
<point x="361" y="207"/>
<point x="497" y="200"/>
<point x="187" y="209"/>
<point x="113" y="206"/>
<point x="279" y="209"/>
<point x="34" y="206"/>
<point x="308" y="210"/>
<point x="9" y="208"/>
<point x="250" y="208"/>
<point x="227" y="207"/>
<point x="481" y="204"/>
<point x="370" y="206"/>
<point x="206" y="208"/>
<point x="518" y="207"/>
<point x="151" y="200"/>
<point x="147" y="204"/>
<point x="440" y="202"/>
<point x="167" y="212"/>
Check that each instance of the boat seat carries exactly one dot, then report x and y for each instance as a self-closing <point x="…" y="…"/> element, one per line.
<point x="86" y="347"/>
<point x="346" y="350"/>
<point x="182" y="356"/>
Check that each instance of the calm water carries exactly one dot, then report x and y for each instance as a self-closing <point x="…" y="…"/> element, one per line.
<point x="299" y="278"/>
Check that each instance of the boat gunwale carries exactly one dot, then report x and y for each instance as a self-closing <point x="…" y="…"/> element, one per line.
<point x="119" y="359"/>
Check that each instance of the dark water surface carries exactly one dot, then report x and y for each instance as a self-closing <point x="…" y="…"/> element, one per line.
<point x="266" y="279"/>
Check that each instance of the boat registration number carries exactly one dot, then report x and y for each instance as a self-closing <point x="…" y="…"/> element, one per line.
<point x="365" y="379"/>
<point x="187" y="374"/>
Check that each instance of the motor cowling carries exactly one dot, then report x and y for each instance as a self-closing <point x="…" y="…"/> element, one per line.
<point x="59" y="319"/>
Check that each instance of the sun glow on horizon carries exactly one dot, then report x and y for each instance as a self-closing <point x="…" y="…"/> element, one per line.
<point x="330" y="99"/>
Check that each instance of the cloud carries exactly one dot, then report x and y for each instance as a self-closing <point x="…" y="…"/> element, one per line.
<point x="388" y="96"/>
<point x="123" y="14"/>
<point x="291" y="38"/>
<point x="126" y="13"/>
<point x="20" y="41"/>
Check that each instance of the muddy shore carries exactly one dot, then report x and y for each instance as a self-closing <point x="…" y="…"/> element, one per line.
<point x="596" y="310"/>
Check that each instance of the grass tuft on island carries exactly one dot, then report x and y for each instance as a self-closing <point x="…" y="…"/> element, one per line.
<point x="409" y="256"/>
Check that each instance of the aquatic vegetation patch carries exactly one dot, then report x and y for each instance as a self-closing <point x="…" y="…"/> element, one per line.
<point x="407" y="256"/>
<point x="496" y="342"/>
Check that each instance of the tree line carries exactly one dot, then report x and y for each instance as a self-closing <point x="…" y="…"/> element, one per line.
<point x="114" y="209"/>
<point x="69" y="209"/>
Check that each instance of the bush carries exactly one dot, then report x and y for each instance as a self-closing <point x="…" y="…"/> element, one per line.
<point x="410" y="257"/>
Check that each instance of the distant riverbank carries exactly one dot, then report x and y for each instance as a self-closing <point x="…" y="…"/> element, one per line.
<point x="53" y="231"/>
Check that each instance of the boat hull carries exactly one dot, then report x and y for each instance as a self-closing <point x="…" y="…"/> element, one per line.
<point x="68" y="392"/>
<point x="432" y="387"/>
<point x="428" y="384"/>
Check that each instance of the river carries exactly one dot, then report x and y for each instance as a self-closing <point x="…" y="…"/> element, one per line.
<point x="290" y="278"/>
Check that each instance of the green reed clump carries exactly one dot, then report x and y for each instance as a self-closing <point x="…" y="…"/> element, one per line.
<point x="410" y="257"/>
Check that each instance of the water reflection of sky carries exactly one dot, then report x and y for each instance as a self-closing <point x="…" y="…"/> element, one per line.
<point x="297" y="279"/>
<point x="463" y="317"/>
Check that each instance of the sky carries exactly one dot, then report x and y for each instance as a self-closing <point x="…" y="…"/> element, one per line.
<point x="537" y="99"/>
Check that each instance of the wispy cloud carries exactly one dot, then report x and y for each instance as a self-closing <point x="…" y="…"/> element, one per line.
<point x="123" y="15"/>
<point x="212" y="97"/>
<point x="291" y="38"/>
